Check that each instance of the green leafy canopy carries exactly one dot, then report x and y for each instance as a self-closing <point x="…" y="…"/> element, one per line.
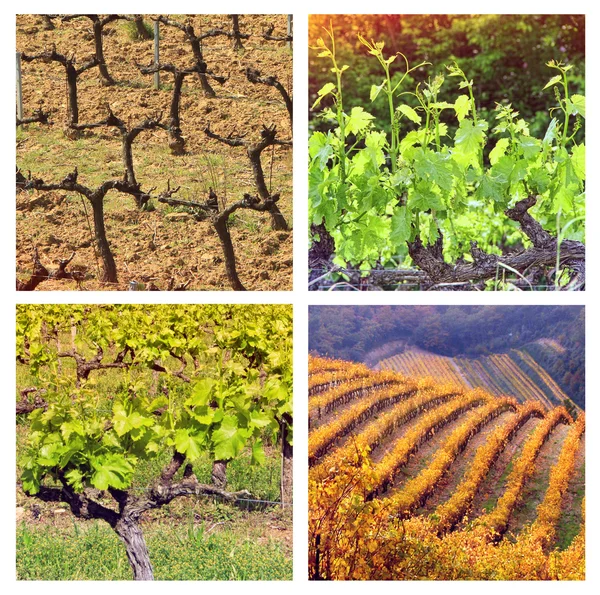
<point x="375" y="190"/>
<point x="225" y="386"/>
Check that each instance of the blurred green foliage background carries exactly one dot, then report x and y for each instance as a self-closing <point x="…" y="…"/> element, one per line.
<point x="505" y="55"/>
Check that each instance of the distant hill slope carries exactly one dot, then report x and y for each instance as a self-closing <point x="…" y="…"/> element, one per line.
<point x="411" y="478"/>
<point x="515" y="373"/>
<point x="553" y="335"/>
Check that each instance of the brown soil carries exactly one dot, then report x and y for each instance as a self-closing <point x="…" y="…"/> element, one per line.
<point x="155" y="247"/>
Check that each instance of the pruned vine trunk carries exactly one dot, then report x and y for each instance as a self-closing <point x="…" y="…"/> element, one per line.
<point x="40" y="273"/>
<point x="176" y="141"/>
<point x="127" y="152"/>
<point x="220" y="224"/>
<point x="130" y="533"/>
<point x="237" y="44"/>
<point x="47" y="22"/>
<point x="197" y="51"/>
<point x="109" y="274"/>
<point x="143" y="33"/>
<point x="278" y="222"/>
<point x="254" y="76"/>
<point x="73" y="106"/>
<point x="196" y="43"/>
<point x="98" y="26"/>
<point x="268" y="139"/>
<point x="219" y="220"/>
<point x="72" y="73"/>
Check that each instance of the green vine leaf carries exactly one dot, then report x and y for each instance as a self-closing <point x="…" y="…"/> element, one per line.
<point x="410" y="113"/>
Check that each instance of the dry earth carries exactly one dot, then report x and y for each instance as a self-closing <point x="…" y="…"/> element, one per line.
<point x="163" y="246"/>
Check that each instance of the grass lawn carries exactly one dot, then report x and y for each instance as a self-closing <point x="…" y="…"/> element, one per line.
<point x="187" y="551"/>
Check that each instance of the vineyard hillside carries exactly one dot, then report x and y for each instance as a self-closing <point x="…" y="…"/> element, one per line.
<point x="417" y="478"/>
<point x="515" y="373"/>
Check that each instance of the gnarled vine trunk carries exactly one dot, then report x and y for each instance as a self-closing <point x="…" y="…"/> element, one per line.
<point x="197" y="51"/>
<point x="98" y="26"/>
<point x="220" y="224"/>
<point x="142" y="32"/>
<point x="110" y="268"/>
<point x="73" y="105"/>
<point x="278" y="222"/>
<point x="130" y="533"/>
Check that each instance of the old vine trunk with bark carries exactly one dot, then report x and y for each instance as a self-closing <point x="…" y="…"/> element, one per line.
<point x="287" y="462"/>
<point x="126" y="522"/>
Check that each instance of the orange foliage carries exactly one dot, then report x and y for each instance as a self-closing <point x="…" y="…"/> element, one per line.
<point x="324" y="436"/>
<point x="452" y="511"/>
<point x="413" y="493"/>
<point x="353" y="535"/>
<point x="321" y="379"/>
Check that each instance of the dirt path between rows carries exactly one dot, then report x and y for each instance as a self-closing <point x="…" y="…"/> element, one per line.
<point x="534" y="490"/>
<point x="494" y="484"/>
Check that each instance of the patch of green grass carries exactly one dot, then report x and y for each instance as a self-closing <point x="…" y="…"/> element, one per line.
<point x="242" y="222"/>
<point x="569" y="529"/>
<point x="132" y="84"/>
<point x="51" y="553"/>
<point x="92" y="551"/>
<point x="130" y="29"/>
<point x="102" y="156"/>
<point x="507" y="470"/>
<point x="489" y="504"/>
<point x="213" y="160"/>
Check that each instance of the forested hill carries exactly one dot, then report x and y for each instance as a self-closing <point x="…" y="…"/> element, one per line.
<point x="370" y="333"/>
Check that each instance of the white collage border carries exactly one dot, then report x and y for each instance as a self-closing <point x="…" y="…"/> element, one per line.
<point x="299" y="297"/>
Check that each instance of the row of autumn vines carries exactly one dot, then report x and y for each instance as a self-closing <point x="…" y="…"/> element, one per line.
<point x="366" y="518"/>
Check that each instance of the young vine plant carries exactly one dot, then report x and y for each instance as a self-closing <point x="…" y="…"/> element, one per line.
<point x="381" y="194"/>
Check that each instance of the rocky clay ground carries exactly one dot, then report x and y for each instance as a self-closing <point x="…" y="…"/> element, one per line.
<point x="166" y="247"/>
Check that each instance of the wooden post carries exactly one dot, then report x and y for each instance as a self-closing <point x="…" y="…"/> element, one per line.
<point x="290" y="28"/>
<point x="19" y="88"/>
<point x="156" y="54"/>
